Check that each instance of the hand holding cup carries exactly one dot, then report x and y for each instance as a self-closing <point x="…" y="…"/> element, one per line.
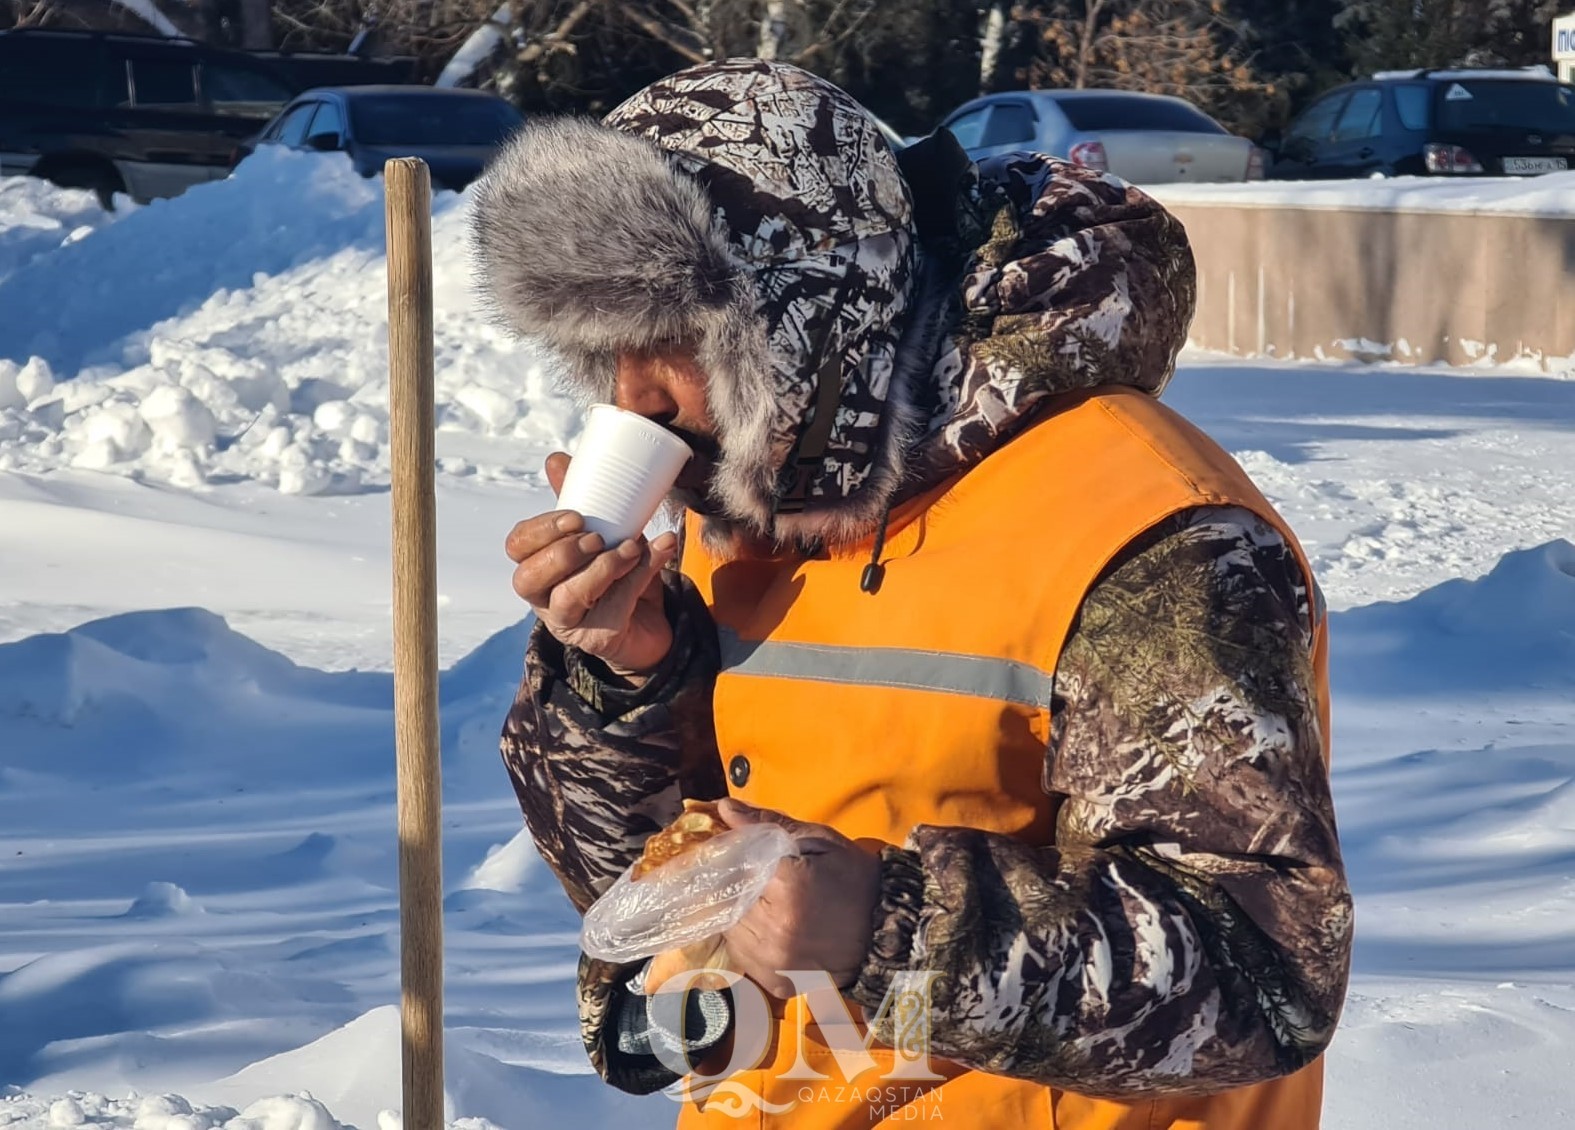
<point x="603" y="596"/>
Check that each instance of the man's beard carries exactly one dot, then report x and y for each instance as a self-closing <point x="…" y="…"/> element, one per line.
<point x="693" y="487"/>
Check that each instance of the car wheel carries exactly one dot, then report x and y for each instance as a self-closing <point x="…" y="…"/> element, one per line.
<point x="99" y="177"/>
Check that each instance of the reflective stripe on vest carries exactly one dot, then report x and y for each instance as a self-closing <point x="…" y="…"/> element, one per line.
<point x="1003" y="680"/>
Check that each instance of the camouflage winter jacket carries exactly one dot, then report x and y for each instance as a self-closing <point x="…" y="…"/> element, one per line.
<point x="1185" y="690"/>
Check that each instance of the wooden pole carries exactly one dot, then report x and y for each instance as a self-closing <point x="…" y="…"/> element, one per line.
<point x="409" y="200"/>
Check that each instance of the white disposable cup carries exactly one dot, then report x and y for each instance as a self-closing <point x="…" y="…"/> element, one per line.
<point x="622" y="469"/>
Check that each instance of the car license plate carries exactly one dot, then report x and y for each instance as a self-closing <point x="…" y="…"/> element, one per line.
<point x="1535" y="164"/>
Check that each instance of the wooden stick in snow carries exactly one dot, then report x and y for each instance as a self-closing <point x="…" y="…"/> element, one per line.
<point x="409" y="202"/>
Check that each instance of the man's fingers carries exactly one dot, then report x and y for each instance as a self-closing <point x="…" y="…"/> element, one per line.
<point x="666" y="546"/>
<point x="533" y="535"/>
<point x="591" y="587"/>
<point x="557" y="466"/>
<point x="542" y="572"/>
<point x="617" y="603"/>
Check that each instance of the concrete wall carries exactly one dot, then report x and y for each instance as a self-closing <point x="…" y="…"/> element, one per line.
<point x="1437" y="286"/>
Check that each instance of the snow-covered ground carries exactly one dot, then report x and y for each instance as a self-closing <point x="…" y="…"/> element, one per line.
<point x="193" y="542"/>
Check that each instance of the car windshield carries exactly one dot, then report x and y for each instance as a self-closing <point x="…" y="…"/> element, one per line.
<point x="1127" y="111"/>
<point x="1467" y="106"/>
<point x="414" y="119"/>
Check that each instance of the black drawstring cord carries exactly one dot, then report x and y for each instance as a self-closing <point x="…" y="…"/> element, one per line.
<point x="875" y="571"/>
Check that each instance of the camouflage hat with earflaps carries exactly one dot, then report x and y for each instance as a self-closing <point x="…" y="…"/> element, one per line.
<point x="753" y="210"/>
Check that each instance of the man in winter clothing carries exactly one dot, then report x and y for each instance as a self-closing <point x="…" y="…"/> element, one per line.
<point x="1030" y="670"/>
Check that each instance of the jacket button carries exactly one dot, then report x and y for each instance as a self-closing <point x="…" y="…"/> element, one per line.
<point x="738" y="771"/>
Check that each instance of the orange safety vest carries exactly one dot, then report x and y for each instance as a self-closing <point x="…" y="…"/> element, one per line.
<point x="929" y="704"/>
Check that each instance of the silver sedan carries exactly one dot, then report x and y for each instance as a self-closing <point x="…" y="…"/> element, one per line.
<point x="1141" y="138"/>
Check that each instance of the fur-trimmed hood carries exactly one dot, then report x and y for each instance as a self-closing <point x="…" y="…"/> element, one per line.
<point x="755" y="211"/>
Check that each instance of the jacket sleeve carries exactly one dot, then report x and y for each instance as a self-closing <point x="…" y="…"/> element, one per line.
<point x="598" y="769"/>
<point x="1189" y="929"/>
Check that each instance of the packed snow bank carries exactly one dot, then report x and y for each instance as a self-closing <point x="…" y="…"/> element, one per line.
<point x="141" y="693"/>
<point x="281" y="210"/>
<point x="37" y="218"/>
<point x="1549" y="195"/>
<point x="239" y="332"/>
<point x="1513" y="629"/>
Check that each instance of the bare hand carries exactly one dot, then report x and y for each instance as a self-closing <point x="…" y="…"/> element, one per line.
<point x="816" y="913"/>
<point x="605" y="601"/>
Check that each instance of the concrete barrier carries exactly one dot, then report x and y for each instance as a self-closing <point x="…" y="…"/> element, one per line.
<point x="1417" y="286"/>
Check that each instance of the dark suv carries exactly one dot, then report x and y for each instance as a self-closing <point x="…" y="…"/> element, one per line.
<point x="1417" y="123"/>
<point x="113" y="113"/>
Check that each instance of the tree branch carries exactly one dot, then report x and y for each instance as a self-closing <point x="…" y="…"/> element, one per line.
<point x="681" y="41"/>
<point x="826" y="42"/>
<point x="540" y="45"/>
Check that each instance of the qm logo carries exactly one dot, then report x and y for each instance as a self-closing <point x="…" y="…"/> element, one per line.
<point x="903" y="1090"/>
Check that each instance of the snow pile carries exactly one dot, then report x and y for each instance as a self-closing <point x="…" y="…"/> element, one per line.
<point x="37" y="218"/>
<point x="94" y="1111"/>
<point x="164" y="900"/>
<point x="239" y="332"/>
<point x="1511" y="631"/>
<point x="1549" y="195"/>
<point x="1514" y="627"/>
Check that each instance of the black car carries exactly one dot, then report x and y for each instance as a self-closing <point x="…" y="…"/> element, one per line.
<point x="131" y="114"/>
<point x="1419" y="123"/>
<point x="456" y="132"/>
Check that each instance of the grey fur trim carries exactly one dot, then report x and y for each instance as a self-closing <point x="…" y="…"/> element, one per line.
<point x="592" y="264"/>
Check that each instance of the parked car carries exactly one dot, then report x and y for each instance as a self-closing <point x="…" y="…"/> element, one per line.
<point x="1142" y="138"/>
<point x="130" y="114"/>
<point x="1472" y="122"/>
<point x="456" y="132"/>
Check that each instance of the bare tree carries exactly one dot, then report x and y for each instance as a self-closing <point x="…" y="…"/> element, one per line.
<point x="681" y="36"/>
<point x="992" y="38"/>
<point x="774" y="30"/>
<point x="32" y="13"/>
<point x="1187" y="48"/>
<point x="1438" y="33"/>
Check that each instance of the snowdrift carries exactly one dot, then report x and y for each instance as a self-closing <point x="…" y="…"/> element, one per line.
<point x="1513" y="629"/>
<point x="239" y="332"/>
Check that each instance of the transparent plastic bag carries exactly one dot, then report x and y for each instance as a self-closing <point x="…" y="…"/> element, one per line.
<point x="700" y="894"/>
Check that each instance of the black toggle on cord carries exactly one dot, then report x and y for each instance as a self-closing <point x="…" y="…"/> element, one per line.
<point x="874" y="574"/>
